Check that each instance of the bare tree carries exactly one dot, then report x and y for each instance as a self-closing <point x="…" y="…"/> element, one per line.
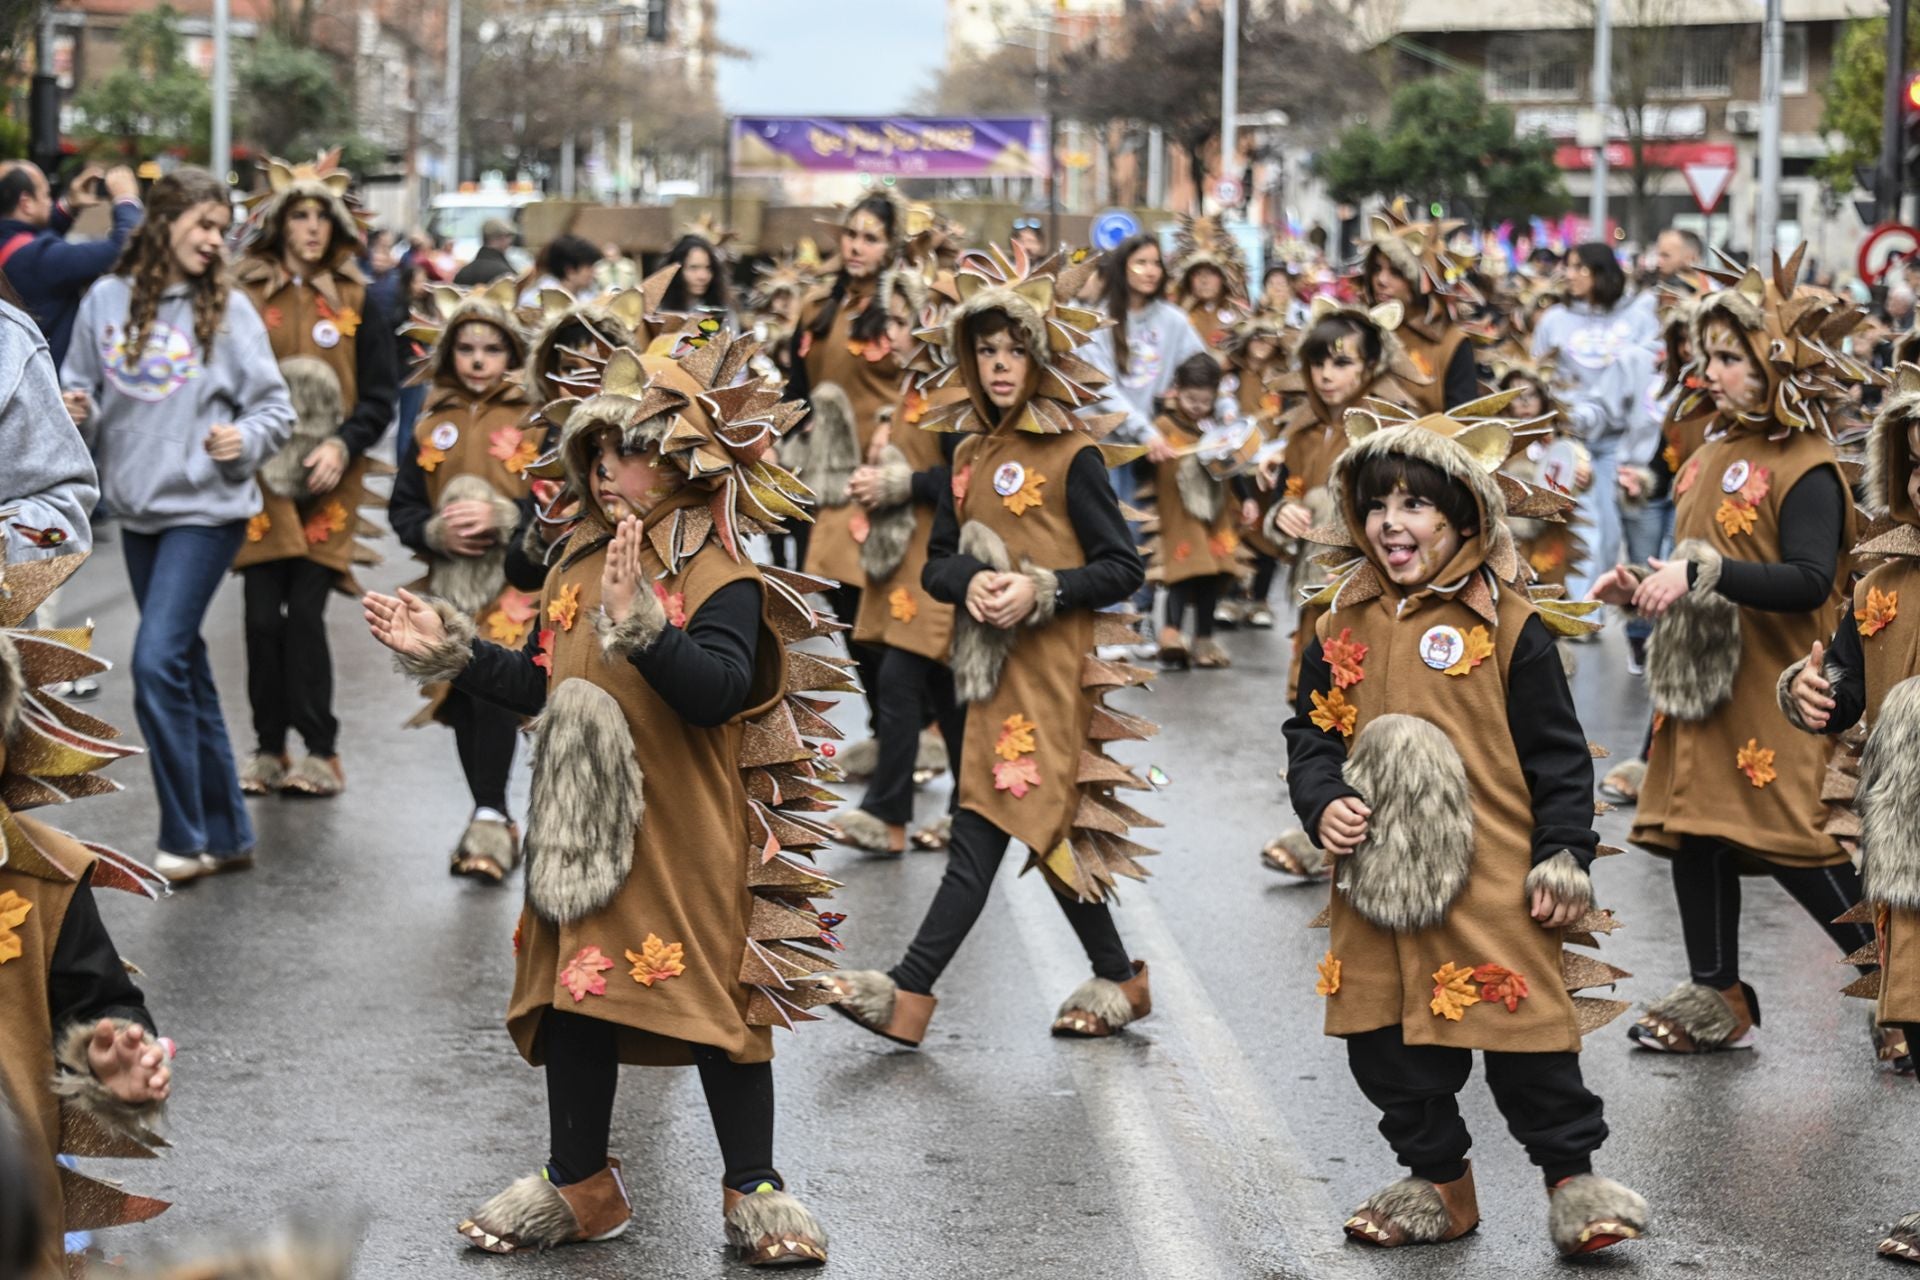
<point x="1005" y="81"/>
<point x="1648" y="42"/>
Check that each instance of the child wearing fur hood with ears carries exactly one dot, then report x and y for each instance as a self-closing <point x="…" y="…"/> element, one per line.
<point x="671" y="779"/>
<point x="1865" y="675"/>
<point x="1436" y="755"/>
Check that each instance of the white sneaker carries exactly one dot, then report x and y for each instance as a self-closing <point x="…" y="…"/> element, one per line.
<point x="177" y="869"/>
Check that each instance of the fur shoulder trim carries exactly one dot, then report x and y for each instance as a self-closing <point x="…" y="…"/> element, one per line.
<point x="448" y="656"/>
<point x="1889" y="819"/>
<point x="586" y="804"/>
<point x="1419" y="847"/>
<point x="79" y="1088"/>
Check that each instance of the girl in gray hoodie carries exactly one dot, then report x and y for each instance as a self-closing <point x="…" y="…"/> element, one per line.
<point x="184" y="402"/>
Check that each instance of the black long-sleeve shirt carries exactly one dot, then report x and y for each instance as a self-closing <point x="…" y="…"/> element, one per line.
<point x="1113" y="569"/>
<point x="1812" y="516"/>
<point x="1845" y="667"/>
<point x="1462" y="385"/>
<point x="376" y="380"/>
<point x="702" y="670"/>
<point x="1546" y="733"/>
<point x="87" y="981"/>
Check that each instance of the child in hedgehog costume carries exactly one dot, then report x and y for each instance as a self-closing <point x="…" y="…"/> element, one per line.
<point x="1435" y="753"/>
<point x="1865" y="676"/>
<point x="1764" y="520"/>
<point x="672" y="773"/>
<point x="1195" y="550"/>
<point x="1027" y="544"/>
<point x="336" y="352"/>
<point x="79" y="1062"/>
<point x="460" y="492"/>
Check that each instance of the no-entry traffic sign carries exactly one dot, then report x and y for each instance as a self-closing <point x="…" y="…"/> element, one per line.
<point x="1883" y="246"/>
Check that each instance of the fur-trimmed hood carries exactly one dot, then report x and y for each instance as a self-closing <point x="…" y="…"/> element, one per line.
<point x="288" y="184"/>
<point x="447" y="309"/>
<point x="595" y="328"/>
<point x="1383" y="321"/>
<point x="1889" y="460"/>
<point x="1467" y="452"/>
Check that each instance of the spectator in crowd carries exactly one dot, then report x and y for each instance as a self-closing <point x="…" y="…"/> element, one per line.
<point x="1030" y="234"/>
<point x="567" y="263"/>
<point x="386" y="282"/>
<point x="488" y="265"/>
<point x="47" y="485"/>
<point x="615" y="270"/>
<point x="700" y="285"/>
<point x="1898" y="308"/>
<point x="1676" y="257"/>
<point x="49" y="274"/>
<point x="1280" y="296"/>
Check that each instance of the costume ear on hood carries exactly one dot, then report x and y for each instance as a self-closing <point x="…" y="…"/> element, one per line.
<point x="1889" y="459"/>
<point x="320" y="179"/>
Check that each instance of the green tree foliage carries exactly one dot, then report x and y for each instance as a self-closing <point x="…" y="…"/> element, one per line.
<point x="1444" y="142"/>
<point x="292" y="103"/>
<point x="1854" y="96"/>
<point x="154" y="101"/>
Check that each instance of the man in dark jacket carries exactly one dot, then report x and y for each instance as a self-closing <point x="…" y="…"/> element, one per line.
<point x="491" y="262"/>
<point x="49" y="274"/>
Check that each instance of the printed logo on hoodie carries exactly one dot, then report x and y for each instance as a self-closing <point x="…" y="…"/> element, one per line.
<point x="168" y="363"/>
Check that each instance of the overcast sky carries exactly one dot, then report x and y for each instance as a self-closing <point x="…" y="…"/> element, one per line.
<point x="826" y="57"/>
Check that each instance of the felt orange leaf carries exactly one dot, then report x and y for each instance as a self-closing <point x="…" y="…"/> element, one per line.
<point x="1027" y="496"/>
<point x="1500" y="985"/>
<point x="565" y="606"/>
<point x="503" y="442"/>
<point x="1183" y="552"/>
<point x="1687" y="477"/>
<point x="1016" y="737"/>
<point x="1759" y="482"/>
<point x="1222" y="544"/>
<point x="13" y="911"/>
<point x="1479" y="648"/>
<point x="1671" y="456"/>
<point x="544" y="658"/>
<point x="516" y="937"/>
<point x="856" y="348"/>
<point x="524" y="455"/>
<point x="656" y="961"/>
<point x="1659" y="721"/>
<point x="274" y="317"/>
<point x="859" y="526"/>
<point x="1882" y="607"/>
<point x="901" y="605"/>
<point x="913" y="407"/>
<point x="960" y="481"/>
<point x="511" y="618"/>
<point x="431" y="456"/>
<point x="1735" y="517"/>
<point x="326" y="522"/>
<point x="674" y="602"/>
<point x="1545" y="559"/>
<point x="1296" y="487"/>
<point x="1756" y="762"/>
<point x="1344" y="655"/>
<point x="1018" y="776"/>
<point x="258" y="526"/>
<point x="347" y="322"/>
<point x="1334" y="713"/>
<point x="1329" y="983"/>
<point x="1453" y="992"/>
<point x="806" y="344"/>
<point x="585" y="974"/>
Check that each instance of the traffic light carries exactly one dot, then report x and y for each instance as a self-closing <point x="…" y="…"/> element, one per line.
<point x="1910" y="106"/>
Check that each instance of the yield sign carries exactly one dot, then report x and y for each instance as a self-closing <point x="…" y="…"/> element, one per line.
<point x="1708" y="182"/>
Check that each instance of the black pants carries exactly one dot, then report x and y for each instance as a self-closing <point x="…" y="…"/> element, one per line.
<point x="583" y="1069"/>
<point x="289" y="669"/>
<point x="1264" y="567"/>
<point x="846" y="607"/>
<point x="973" y="855"/>
<point x="910" y="690"/>
<point x="1548" y="1107"/>
<point x="485" y="736"/>
<point x="1199" y="594"/>
<point x="1706" y="884"/>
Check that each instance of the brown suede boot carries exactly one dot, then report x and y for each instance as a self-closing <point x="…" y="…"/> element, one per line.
<point x="1098" y="1008"/>
<point x="1415" y="1211"/>
<point x="535" y="1214"/>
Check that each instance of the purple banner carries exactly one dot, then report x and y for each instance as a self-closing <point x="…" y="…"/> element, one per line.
<point x="908" y="146"/>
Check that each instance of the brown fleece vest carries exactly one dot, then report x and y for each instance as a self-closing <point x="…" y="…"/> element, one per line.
<point x="896" y="610"/>
<point x="1187" y="546"/>
<point x="1892" y="655"/>
<point x="1695" y="784"/>
<point x="833" y="549"/>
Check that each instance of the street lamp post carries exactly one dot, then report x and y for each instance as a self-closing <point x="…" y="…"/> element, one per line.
<point x="1602" y="110"/>
<point x="1766" y="218"/>
<point x="221" y="144"/>
<point x="1230" y="90"/>
<point x="1893" y="127"/>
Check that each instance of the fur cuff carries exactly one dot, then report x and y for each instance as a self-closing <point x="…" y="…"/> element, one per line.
<point x="1563" y="877"/>
<point x="644" y="623"/>
<point x="586" y="803"/>
<point x="1645" y="477"/>
<point x="1693" y="654"/>
<point x="1419" y="846"/>
<point x="446" y="657"/>
<point x="533" y="546"/>
<point x="1783" y="692"/>
<point x="1046" y="593"/>
<point x="1588" y="1205"/>
<point x="1889" y="819"/>
<point x="1701" y="1012"/>
<point x="1706" y="575"/>
<point x="1415" y="1206"/>
<point x="76" y="1084"/>
<point x="896" y="479"/>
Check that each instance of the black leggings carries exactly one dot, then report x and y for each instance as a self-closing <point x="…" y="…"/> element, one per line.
<point x="1706" y="884"/>
<point x="973" y="855"/>
<point x="1199" y="594"/>
<point x="1548" y="1107"/>
<point x="485" y="735"/>
<point x="1264" y="566"/>
<point x="289" y="668"/>
<point x="846" y="607"/>
<point x="910" y="690"/>
<point x="583" y="1069"/>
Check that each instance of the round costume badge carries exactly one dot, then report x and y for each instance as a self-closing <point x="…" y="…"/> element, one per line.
<point x="325" y="334"/>
<point x="1442" y="647"/>
<point x="1735" y="478"/>
<point x="1008" y="479"/>
<point x="444" y="435"/>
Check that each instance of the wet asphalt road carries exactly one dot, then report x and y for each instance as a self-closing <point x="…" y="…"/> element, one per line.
<point x="342" y="1056"/>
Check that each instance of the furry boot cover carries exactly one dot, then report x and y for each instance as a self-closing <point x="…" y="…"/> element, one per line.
<point x="314" y="389"/>
<point x="1701" y="1012"/>
<point x="448" y="656"/>
<point x="1588" y="1212"/>
<point x="1200" y="493"/>
<point x="644" y="622"/>
<point x="1419" y="846"/>
<point x="862" y="830"/>
<point x="1624" y="780"/>
<point x="1564" y="877"/>
<point x="979" y="650"/>
<point x="585" y="805"/>
<point x="1889" y="819"/>
<point x="1416" y="1211"/>
<point x="263" y="774"/>
<point x="1099" y="1007"/>
<point x="771" y="1228"/>
<point x="1295" y="853"/>
<point x="890" y="524"/>
<point x="857" y="761"/>
<point x="866" y="996"/>
<point x="487" y="841"/>
<point x="534" y="1214"/>
<point x="13" y="683"/>
<point x="931" y="754"/>
<point x="1694" y="651"/>
<point x="76" y="1084"/>
<point x="469" y="583"/>
<point x="1903" y="1241"/>
<point x="313" y="776"/>
<point x="835" y="452"/>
